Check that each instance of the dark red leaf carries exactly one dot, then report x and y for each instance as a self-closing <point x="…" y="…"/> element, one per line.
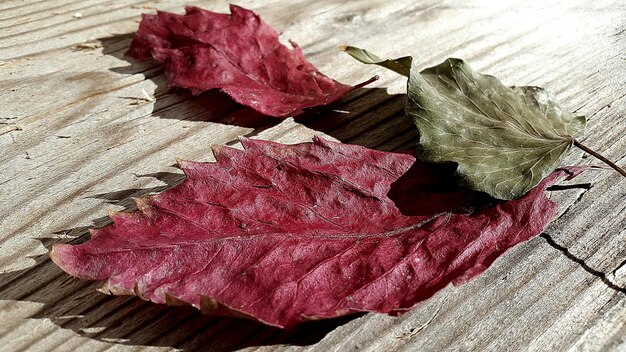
<point x="285" y="233"/>
<point x="239" y="54"/>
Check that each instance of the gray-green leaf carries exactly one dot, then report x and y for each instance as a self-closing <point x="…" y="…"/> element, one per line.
<point x="505" y="140"/>
<point x="401" y="65"/>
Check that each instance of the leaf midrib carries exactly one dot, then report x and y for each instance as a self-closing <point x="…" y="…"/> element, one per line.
<point x="360" y="236"/>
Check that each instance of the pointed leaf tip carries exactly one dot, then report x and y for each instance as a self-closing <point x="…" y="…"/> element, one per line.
<point x="247" y="143"/>
<point x="181" y="163"/>
<point x="54" y="255"/>
<point x="142" y="203"/>
<point x="114" y="214"/>
<point x="220" y="152"/>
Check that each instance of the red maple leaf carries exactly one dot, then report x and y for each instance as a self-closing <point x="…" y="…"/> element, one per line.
<point x="285" y="233"/>
<point x="239" y="54"/>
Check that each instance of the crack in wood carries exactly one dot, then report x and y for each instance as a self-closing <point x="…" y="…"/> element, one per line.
<point x="581" y="262"/>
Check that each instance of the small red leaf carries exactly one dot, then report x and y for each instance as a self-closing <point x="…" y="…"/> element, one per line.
<point x="239" y="54"/>
<point x="285" y="233"/>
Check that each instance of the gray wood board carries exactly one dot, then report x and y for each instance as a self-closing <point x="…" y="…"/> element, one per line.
<point x="76" y="137"/>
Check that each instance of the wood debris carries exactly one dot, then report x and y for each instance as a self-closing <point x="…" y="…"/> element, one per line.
<point x="146" y="98"/>
<point x="416" y="330"/>
<point x="88" y="46"/>
<point x="146" y="95"/>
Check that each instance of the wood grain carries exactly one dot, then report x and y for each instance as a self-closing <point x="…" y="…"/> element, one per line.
<point x="76" y="137"/>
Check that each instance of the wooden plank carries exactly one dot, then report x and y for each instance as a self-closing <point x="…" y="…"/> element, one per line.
<point x="76" y="137"/>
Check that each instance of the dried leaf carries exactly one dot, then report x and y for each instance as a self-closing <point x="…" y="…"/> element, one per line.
<point x="286" y="233"/>
<point x="239" y="54"/>
<point x="505" y="140"/>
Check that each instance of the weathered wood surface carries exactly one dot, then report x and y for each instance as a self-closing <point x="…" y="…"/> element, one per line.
<point x="77" y="137"/>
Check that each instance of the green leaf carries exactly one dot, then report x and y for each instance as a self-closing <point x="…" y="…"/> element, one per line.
<point x="505" y="140"/>
<point x="401" y="65"/>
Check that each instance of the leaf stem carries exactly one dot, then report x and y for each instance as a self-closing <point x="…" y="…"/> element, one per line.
<point x="600" y="156"/>
<point x="362" y="84"/>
